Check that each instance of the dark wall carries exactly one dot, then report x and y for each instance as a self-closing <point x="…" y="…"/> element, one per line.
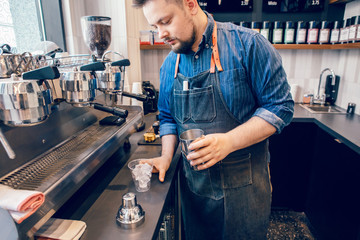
<point x="330" y="12"/>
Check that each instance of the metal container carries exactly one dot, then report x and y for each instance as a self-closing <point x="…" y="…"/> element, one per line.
<point x="186" y="138"/>
<point x="109" y="81"/>
<point x="130" y="214"/>
<point x="24" y="102"/>
<point x="78" y="87"/>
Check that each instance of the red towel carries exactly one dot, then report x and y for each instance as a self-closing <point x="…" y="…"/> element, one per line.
<point x="20" y="203"/>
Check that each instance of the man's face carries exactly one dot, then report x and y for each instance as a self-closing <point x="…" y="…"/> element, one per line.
<point x="173" y="22"/>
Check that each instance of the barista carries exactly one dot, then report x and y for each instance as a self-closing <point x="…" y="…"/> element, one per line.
<point x="238" y="94"/>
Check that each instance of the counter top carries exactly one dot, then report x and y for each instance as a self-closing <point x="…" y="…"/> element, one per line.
<point x="344" y="127"/>
<point x="100" y="217"/>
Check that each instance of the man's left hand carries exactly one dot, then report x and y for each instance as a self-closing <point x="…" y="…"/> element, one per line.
<point x="209" y="150"/>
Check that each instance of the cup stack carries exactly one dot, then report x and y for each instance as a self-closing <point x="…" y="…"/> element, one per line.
<point x="136" y="89"/>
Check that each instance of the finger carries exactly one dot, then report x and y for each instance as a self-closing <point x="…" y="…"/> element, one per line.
<point x="161" y="175"/>
<point x="198" y="143"/>
<point x="206" y="165"/>
<point x="201" y="160"/>
<point x="199" y="153"/>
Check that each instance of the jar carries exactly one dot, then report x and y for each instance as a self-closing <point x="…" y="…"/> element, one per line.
<point x="265" y="30"/>
<point x="256" y="26"/>
<point x="244" y="24"/>
<point x="313" y="32"/>
<point x="353" y="28"/>
<point x="357" y="38"/>
<point x="289" y="36"/>
<point x="277" y="36"/>
<point x="344" y="31"/>
<point x="301" y="32"/>
<point x="335" y="32"/>
<point x="324" y="35"/>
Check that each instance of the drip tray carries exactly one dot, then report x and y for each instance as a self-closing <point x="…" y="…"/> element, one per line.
<point x="289" y="225"/>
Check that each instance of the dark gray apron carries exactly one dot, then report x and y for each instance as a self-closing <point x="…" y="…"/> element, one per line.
<point x="230" y="200"/>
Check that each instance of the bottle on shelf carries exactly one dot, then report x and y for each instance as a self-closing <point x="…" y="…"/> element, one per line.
<point x="353" y="28"/>
<point x="289" y="36"/>
<point x="344" y="31"/>
<point x="324" y="35"/>
<point x="265" y="30"/>
<point x="313" y="32"/>
<point x="277" y="36"/>
<point x="335" y="32"/>
<point x="301" y="32"/>
<point x="256" y="26"/>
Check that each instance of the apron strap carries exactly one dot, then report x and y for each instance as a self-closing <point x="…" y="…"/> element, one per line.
<point x="215" y="59"/>
<point x="177" y="65"/>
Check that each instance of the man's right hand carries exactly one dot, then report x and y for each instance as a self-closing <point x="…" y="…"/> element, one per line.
<point x="161" y="165"/>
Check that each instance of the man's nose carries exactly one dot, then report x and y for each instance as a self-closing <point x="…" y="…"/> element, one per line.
<point x="163" y="33"/>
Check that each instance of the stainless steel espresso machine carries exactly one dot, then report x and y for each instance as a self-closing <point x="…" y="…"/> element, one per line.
<point x="56" y="130"/>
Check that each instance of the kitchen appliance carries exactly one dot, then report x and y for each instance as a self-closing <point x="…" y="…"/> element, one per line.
<point x="96" y="31"/>
<point x="49" y="117"/>
<point x="58" y="146"/>
<point x="152" y="97"/>
<point x="331" y="89"/>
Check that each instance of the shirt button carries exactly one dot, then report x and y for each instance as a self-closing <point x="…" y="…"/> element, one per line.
<point x="207" y="45"/>
<point x="196" y="56"/>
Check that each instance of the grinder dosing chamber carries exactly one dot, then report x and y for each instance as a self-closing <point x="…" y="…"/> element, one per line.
<point x="96" y="32"/>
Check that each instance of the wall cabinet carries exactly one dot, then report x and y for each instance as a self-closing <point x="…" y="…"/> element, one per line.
<point x="333" y="200"/>
<point x="290" y="163"/>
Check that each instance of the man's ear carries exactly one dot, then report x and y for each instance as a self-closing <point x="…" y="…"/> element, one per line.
<point x="192" y="6"/>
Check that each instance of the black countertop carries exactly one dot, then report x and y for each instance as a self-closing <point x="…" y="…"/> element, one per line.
<point x="344" y="127"/>
<point x="100" y="217"/>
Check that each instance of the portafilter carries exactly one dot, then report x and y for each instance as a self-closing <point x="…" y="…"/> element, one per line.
<point x="79" y="89"/>
<point x="110" y="80"/>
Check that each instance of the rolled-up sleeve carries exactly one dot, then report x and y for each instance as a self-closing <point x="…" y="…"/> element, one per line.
<point x="167" y="123"/>
<point x="269" y="83"/>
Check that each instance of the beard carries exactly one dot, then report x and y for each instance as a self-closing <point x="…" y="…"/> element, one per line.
<point x="185" y="45"/>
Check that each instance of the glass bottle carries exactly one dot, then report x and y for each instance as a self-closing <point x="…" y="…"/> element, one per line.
<point x="313" y="32"/>
<point x="301" y="32"/>
<point x="289" y="36"/>
<point x="277" y="36"/>
<point x="324" y="35"/>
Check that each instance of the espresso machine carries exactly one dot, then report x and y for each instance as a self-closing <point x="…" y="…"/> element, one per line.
<point x="56" y="129"/>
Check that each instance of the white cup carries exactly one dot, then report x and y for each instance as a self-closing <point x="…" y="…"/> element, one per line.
<point x="137" y="89"/>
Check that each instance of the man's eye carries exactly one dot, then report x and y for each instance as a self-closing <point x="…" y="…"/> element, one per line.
<point x="165" y="22"/>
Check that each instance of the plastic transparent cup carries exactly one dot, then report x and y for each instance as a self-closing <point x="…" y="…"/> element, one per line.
<point x="141" y="174"/>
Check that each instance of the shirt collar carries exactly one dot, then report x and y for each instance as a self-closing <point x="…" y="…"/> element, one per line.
<point x="207" y="36"/>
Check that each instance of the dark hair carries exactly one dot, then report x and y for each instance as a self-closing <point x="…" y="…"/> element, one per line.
<point x="141" y="3"/>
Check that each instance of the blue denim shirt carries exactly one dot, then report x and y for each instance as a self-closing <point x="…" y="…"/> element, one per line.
<point x="253" y="81"/>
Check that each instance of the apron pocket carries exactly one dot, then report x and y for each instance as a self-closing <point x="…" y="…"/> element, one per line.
<point x="181" y="106"/>
<point x="202" y="182"/>
<point x="202" y="104"/>
<point x="236" y="173"/>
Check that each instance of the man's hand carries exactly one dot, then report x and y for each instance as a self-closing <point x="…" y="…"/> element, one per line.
<point x="160" y="165"/>
<point x="209" y="150"/>
<point x="215" y="147"/>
